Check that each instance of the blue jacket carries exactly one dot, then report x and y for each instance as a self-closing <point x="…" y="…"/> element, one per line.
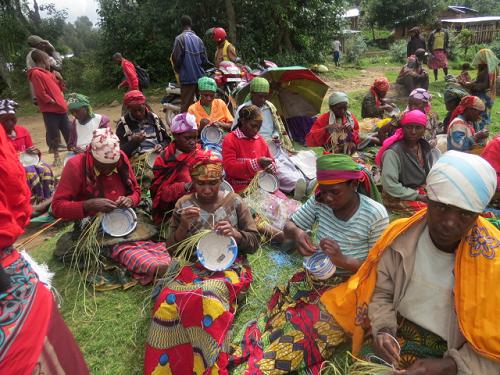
<point x="189" y="55"/>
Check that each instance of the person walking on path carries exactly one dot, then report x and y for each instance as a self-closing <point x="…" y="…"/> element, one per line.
<point x="188" y="56"/>
<point x="50" y="100"/>
<point x="438" y="45"/>
<point x="336" y="45"/>
<point x="131" y="80"/>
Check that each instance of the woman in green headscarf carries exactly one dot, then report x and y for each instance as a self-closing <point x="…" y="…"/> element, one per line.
<point x="84" y="123"/>
<point x="210" y="110"/>
<point x="484" y="86"/>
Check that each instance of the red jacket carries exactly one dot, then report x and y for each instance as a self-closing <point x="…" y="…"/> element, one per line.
<point x="240" y="155"/>
<point x="131" y="79"/>
<point x="23" y="139"/>
<point x="47" y="89"/>
<point x="318" y="135"/>
<point x="71" y="191"/>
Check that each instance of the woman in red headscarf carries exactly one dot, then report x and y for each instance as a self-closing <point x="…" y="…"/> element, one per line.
<point x="406" y="159"/>
<point x="374" y="103"/>
<point x="33" y="336"/>
<point x="140" y="130"/>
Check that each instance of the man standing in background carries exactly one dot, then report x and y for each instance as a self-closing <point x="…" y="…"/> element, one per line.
<point x="188" y="57"/>
<point x="336" y="52"/>
<point x="131" y="80"/>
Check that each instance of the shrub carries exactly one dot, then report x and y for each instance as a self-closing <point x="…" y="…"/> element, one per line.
<point x="355" y="48"/>
<point x="397" y="51"/>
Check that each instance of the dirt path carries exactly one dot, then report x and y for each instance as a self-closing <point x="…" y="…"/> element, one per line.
<point x="363" y="81"/>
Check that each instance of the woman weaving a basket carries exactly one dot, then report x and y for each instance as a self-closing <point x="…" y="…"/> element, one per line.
<point x="195" y="309"/>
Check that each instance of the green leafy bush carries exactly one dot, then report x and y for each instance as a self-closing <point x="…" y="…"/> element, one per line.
<point x="355" y="47"/>
<point x="397" y="51"/>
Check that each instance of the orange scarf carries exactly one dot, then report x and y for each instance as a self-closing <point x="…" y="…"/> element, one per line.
<point x="477" y="271"/>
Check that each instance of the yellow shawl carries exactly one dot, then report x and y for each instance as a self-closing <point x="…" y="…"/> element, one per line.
<point x="477" y="274"/>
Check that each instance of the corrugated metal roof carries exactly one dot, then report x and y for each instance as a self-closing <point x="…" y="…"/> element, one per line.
<point x="471" y="19"/>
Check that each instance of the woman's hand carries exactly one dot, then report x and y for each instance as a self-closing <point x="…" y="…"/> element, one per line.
<point x="224" y="228"/>
<point x="204" y="122"/>
<point x="265" y="162"/>
<point x="99" y="205"/>
<point x="33" y="151"/>
<point x="158" y="148"/>
<point x="138" y="137"/>
<point x="442" y="366"/>
<point x="189" y="216"/>
<point x="481" y="135"/>
<point x="124" y="202"/>
<point x="304" y="244"/>
<point x="386" y="348"/>
<point x="332" y="249"/>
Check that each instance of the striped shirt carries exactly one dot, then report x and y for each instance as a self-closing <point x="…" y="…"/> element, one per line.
<point x="355" y="236"/>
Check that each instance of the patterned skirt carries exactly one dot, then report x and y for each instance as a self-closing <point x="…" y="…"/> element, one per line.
<point x="438" y="59"/>
<point x="403" y="208"/>
<point x="297" y="333"/>
<point x="41" y="182"/>
<point x="415" y="342"/>
<point x="192" y="316"/>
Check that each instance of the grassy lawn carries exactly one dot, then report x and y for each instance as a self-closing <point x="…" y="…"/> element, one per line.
<point x="112" y="338"/>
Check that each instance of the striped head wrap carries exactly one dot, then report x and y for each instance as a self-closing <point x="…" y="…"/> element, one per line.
<point x="468" y="101"/>
<point x="337" y="168"/>
<point x="462" y="180"/>
<point x="259" y="85"/>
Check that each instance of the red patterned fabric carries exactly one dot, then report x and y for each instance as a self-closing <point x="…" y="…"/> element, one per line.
<point x="142" y="258"/>
<point x="191" y="317"/>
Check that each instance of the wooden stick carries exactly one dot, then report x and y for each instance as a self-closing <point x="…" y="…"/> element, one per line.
<point x="35" y="235"/>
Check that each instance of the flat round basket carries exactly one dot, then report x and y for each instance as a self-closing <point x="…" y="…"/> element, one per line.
<point x="268" y="182"/>
<point x="319" y="265"/>
<point x="150" y="161"/>
<point x="27" y="159"/>
<point x="119" y="222"/>
<point x="69" y="155"/>
<point x="226" y="186"/>
<point x="216" y="252"/>
<point x="211" y="134"/>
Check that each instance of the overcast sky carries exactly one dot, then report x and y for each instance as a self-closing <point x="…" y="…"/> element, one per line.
<point x="76" y="8"/>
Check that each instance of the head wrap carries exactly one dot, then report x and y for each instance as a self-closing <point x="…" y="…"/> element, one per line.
<point x="105" y="146"/>
<point x="423" y="95"/>
<point x="454" y="93"/>
<point x="35" y="40"/>
<point x="415" y="117"/>
<point x="468" y="101"/>
<point x="207" y="84"/>
<point x="77" y="101"/>
<point x="134" y="97"/>
<point x="206" y="167"/>
<point x="334" y="169"/>
<point x="488" y="57"/>
<point x="259" y="85"/>
<point x="381" y="84"/>
<point x="462" y="180"/>
<point x="14" y="194"/>
<point x="183" y="122"/>
<point x="8" y="107"/>
<point x="338" y="97"/>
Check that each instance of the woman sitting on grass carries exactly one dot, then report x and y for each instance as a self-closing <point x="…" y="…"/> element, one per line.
<point x="210" y="110"/>
<point x="374" y="103"/>
<point x="171" y="169"/>
<point x="84" y="123"/>
<point x="406" y="159"/>
<point x="462" y="134"/>
<point x="195" y="308"/>
<point x="296" y="333"/>
<point x="39" y="177"/>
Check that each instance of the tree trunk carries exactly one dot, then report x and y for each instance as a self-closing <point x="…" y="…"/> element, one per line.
<point x="231" y="20"/>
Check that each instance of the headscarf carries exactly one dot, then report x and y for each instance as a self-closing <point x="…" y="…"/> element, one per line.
<point x="488" y="57"/>
<point x="14" y="194"/>
<point x="338" y="97"/>
<point x="259" y="85"/>
<point x="134" y="97"/>
<point x="462" y="180"/>
<point x="105" y="146"/>
<point x="453" y="93"/>
<point x="77" y="101"/>
<point x="183" y="122"/>
<point x="415" y="117"/>
<point x="468" y="101"/>
<point x="207" y="84"/>
<point x="206" y="167"/>
<point x="334" y="169"/>
<point x="423" y="95"/>
<point x="8" y="107"/>
<point x="381" y="84"/>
